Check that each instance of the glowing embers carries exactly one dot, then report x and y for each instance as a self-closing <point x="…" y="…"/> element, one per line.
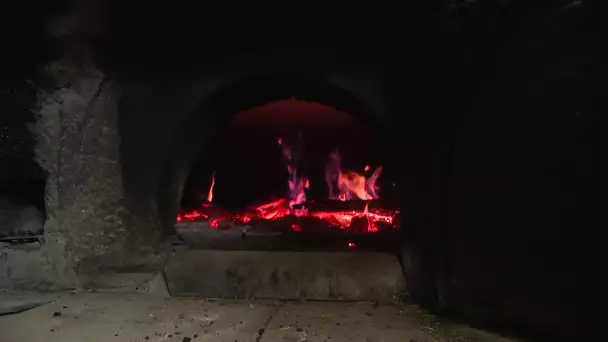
<point x="353" y="205"/>
<point x="272" y="211"/>
<point x="353" y="216"/>
<point x="192" y="216"/>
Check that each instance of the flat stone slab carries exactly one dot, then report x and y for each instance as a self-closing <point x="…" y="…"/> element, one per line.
<point x="285" y="275"/>
<point x="136" y="317"/>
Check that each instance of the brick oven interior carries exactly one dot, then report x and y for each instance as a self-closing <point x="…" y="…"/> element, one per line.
<point x="140" y="165"/>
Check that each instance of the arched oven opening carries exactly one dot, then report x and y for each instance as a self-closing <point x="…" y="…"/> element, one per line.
<point x="292" y="175"/>
<point x="283" y="187"/>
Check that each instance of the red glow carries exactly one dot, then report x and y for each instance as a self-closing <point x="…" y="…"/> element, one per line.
<point x="279" y="209"/>
<point x="273" y="210"/>
<point x="193" y="215"/>
<point x="303" y="115"/>
<point x="297" y="212"/>
<point x="352" y="245"/>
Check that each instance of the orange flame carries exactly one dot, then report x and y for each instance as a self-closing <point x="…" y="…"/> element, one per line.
<point x="297" y="183"/>
<point x="350" y="182"/>
<point x="342" y="184"/>
<point x="297" y="191"/>
<point x="210" y="194"/>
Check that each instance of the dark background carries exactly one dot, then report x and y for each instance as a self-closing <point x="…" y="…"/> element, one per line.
<point x="26" y="49"/>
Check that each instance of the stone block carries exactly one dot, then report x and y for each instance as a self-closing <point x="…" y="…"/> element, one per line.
<point x="285" y="275"/>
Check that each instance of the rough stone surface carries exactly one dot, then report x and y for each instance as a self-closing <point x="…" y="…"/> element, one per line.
<point x="107" y="316"/>
<point x="26" y="267"/>
<point x="284" y="275"/>
<point x="158" y="286"/>
<point x="88" y="239"/>
<point x="330" y="321"/>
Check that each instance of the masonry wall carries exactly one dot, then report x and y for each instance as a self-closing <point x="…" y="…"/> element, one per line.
<point x="116" y="151"/>
<point x="87" y="235"/>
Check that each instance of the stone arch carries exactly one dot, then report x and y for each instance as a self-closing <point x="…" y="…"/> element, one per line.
<point x="219" y="108"/>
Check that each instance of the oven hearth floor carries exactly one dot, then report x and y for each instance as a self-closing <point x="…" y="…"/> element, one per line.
<point x="279" y="237"/>
<point x="112" y="316"/>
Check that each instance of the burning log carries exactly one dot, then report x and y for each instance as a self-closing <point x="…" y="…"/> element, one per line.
<point x="353" y="206"/>
<point x="277" y="216"/>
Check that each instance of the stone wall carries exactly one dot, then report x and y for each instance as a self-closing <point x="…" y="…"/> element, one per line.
<point x="108" y="176"/>
<point x="519" y="206"/>
<point x="77" y="145"/>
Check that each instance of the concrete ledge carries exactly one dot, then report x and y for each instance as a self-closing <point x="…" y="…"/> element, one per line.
<point x="284" y="275"/>
<point x="34" y="267"/>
